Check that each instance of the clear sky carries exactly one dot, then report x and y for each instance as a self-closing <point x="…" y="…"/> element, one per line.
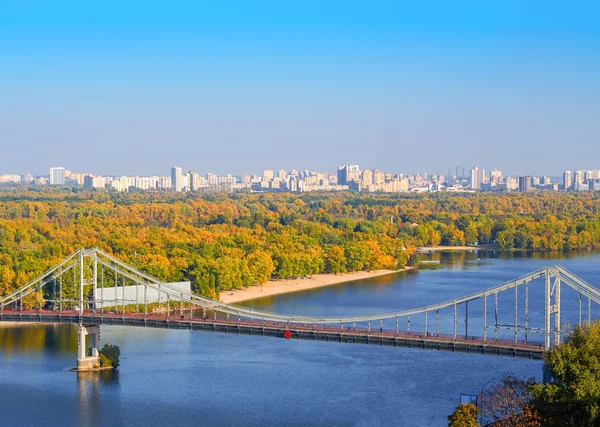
<point x="127" y="87"/>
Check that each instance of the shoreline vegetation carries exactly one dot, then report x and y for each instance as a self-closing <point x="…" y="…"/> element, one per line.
<point x="286" y="286"/>
<point x="224" y="243"/>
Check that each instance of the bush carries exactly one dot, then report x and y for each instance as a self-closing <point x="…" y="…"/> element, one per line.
<point x="104" y="361"/>
<point x="109" y="355"/>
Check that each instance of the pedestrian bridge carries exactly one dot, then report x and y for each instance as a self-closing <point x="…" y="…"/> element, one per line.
<point x="519" y="318"/>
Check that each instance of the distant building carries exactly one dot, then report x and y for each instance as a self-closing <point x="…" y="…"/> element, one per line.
<point x="57" y="176"/>
<point x="10" y="178"/>
<point x="347" y="174"/>
<point x="477" y="177"/>
<point x="366" y="178"/>
<point x="524" y="183"/>
<point x="268" y="175"/>
<point x="176" y="179"/>
<point x="378" y="177"/>
<point x="567" y="179"/>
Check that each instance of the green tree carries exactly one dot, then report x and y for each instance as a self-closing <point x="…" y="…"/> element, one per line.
<point x="572" y="398"/>
<point x="465" y="415"/>
<point x="453" y="236"/>
<point x="260" y="267"/>
<point x="471" y="234"/>
<point x="336" y="261"/>
<point x="109" y="355"/>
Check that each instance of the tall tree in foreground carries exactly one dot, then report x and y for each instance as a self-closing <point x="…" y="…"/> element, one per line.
<point x="572" y="398"/>
<point x="508" y="403"/>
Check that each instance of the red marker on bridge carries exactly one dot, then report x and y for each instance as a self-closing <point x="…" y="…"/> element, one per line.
<point x="287" y="335"/>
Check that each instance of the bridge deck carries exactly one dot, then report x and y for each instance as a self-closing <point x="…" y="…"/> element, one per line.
<point x="277" y="329"/>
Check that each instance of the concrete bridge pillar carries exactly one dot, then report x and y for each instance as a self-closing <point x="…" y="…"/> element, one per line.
<point x="83" y="360"/>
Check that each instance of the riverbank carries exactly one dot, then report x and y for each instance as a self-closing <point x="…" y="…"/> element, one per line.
<point x="429" y="249"/>
<point x="276" y="287"/>
<point x="92" y="369"/>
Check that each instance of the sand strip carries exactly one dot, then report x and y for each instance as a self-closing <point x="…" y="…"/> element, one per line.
<point x="276" y="287"/>
<point x="427" y="249"/>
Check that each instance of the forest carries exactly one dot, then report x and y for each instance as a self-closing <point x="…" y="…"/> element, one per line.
<point x="221" y="241"/>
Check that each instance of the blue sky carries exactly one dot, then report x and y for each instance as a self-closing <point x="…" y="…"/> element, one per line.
<point x="243" y="86"/>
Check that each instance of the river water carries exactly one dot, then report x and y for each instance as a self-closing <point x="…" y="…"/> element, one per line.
<point x="193" y="379"/>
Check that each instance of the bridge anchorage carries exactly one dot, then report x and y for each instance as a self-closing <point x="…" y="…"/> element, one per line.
<point x="523" y="317"/>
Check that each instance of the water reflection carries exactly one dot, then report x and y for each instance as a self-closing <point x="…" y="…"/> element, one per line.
<point x="37" y="339"/>
<point x="89" y="386"/>
<point x="458" y="259"/>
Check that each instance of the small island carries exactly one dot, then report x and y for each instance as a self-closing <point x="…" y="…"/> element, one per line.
<point x="108" y="359"/>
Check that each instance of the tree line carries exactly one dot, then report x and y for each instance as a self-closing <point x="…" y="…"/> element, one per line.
<point x="222" y="242"/>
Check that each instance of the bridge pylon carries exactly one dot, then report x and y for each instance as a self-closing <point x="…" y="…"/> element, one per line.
<point x="88" y="358"/>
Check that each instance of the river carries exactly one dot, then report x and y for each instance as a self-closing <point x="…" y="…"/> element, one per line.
<point x="190" y="378"/>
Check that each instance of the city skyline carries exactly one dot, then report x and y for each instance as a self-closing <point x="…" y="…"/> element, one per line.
<point x="347" y="177"/>
<point x="330" y="168"/>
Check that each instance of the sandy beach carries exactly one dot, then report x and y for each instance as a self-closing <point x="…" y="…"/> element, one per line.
<point x="275" y="287"/>
<point x="427" y="249"/>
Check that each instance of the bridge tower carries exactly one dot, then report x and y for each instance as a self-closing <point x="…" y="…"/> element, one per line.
<point x="552" y="309"/>
<point x="88" y="359"/>
<point x="88" y="276"/>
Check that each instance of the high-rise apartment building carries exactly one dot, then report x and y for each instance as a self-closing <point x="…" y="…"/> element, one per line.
<point x="378" y="177"/>
<point x="589" y="175"/>
<point x="57" y="176"/>
<point x="366" y="178"/>
<point x="477" y="176"/>
<point x="176" y="179"/>
<point x="567" y="179"/>
<point x="524" y="183"/>
<point x="495" y="173"/>
<point x="579" y="176"/>
<point x="348" y="173"/>
<point x="268" y="175"/>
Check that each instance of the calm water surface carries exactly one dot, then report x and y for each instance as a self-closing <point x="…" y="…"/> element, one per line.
<point x="191" y="378"/>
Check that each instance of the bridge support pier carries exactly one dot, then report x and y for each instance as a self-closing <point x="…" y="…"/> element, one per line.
<point x="85" y="362"/>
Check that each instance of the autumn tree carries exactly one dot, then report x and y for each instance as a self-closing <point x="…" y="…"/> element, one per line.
<point x="508" y="403"/>
<point x="465" y="415"/>
<point x="572" y="397"/>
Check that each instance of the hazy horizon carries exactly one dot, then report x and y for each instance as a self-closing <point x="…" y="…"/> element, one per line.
<point x="134" y="89"/>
